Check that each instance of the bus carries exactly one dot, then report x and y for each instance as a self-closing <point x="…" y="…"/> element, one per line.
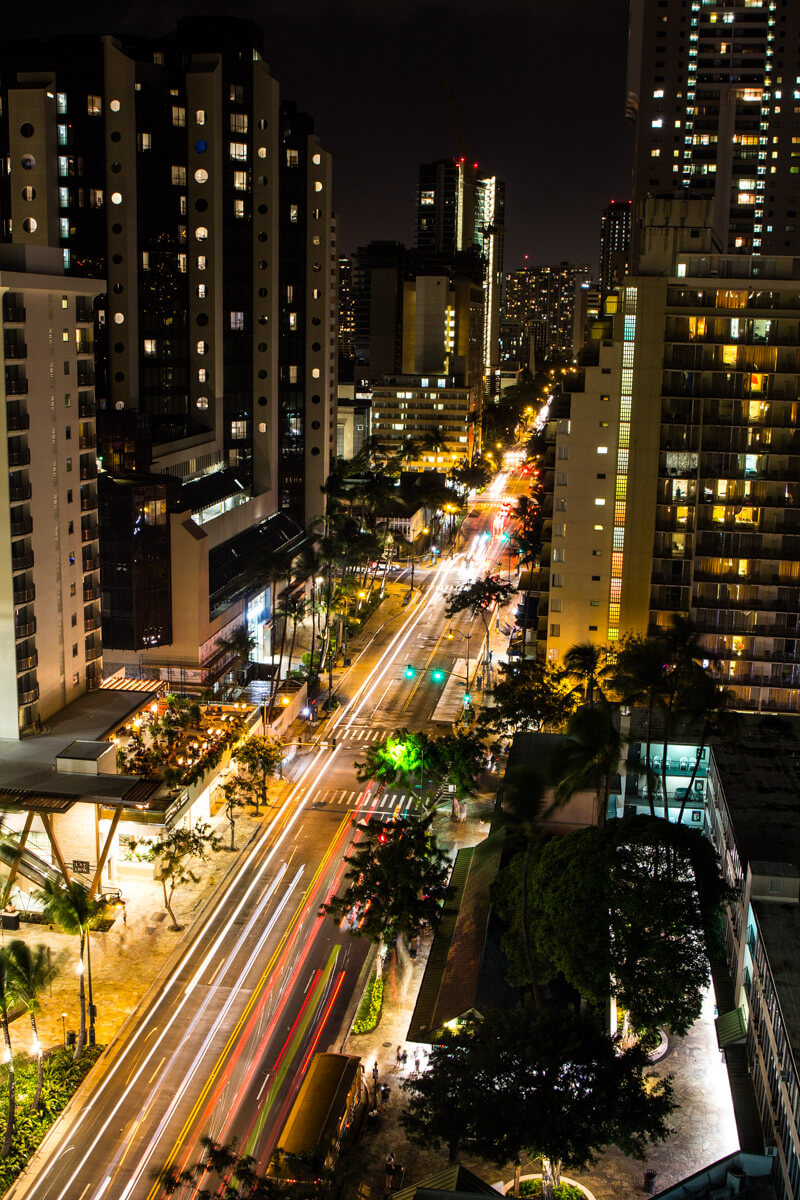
<point x="331" y="1101"/>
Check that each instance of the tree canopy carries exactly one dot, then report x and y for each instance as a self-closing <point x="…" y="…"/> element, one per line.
<point x="396" y="880"/>
<point x="528" y="696"/>
<point x="558" y="1089"/>
<point x="627" y="910"/>
<point x="411" y="757"/>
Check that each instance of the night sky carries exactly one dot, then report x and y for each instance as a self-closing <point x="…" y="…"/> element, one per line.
<point x="537" y="90"/>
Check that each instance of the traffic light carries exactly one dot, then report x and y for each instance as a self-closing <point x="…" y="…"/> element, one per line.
<point x="504" y="537"/>
<point x="410" y="671"/>
<point x="467" y="697"/>
<point x="437" y="674"/>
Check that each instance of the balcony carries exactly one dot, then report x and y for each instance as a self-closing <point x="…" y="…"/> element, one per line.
<point x="85" y="374"/>
<point x="16" y="387"/>
<point x="13" y="314"/>
<point x="22" y="527"/>
<point x="29" y="696"/>
<point x="26" y="662"/>
<point x="19" y="491"/>
<point x="90" y="624"/>
<point x="91" y="563"/>
<point x="89" y="594"/>
<point x="19" y="458"/>
<point x="89" y="470"/>
<point x="84" y="314"/>
<point x="15" y="350"/>
<point x="87" y="408"/>
<point x="93" y="653"/>
<point x="87" y="443"/>
<point x="88" y="503"/>
<point x="22" y="562"/>
<point x="24" y="594"/>
<point x="17" y="421"/>
<point x="90" y="534"/>
<point x="25" y="631"/>
<point x="85" y="346"/>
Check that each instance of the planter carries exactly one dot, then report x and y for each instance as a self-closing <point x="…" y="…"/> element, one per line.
<point x="566" y="1182"/>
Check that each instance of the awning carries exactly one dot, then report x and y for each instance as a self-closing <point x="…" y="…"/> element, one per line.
<point x="731" y="1028"/>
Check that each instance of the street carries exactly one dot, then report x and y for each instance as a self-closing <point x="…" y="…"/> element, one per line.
<point x="222" y="1041"/>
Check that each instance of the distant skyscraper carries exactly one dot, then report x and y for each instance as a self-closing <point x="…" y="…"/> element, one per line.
<point x="615" y="243"/>
<point x="540" y="302"/>
<point x="713" y="91"/>
<point x="459" y="209"/>
<point x="347" y="318"/>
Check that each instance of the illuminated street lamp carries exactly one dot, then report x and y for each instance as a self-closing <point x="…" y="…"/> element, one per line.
<point x="452" y="633"/>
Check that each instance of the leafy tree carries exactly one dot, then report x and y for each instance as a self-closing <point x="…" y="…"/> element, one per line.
<point x="471" y="476"/>
<point x="477" y="598"/>
<point x="522" y="799"/>
<point x="31" y="972"/>
<point x="240" y="644"/>
<point x="6" y="1001"/>
<point x="234" y="798"/>
<point x="456" y="758"/>
<point x="397" y="879"/>
<point x="173" y="854"/>
<point x="261" y="757"/>
<point x="630" y="910"/>
<point x="397" y="758"/>
<point x="70" y="907"/>
<point x="640" y="676"/>
<point x="559" y="1090"/>
<point x="528" y="696"/>
<point x="588" y="757"/>
<point x="222" y="1173"/>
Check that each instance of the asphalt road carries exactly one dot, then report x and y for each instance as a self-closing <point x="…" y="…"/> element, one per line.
<point x="221" y="1043"/>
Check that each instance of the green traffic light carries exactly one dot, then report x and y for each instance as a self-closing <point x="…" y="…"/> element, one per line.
<point x="437" y="675"/>
<point x="467" y="697"/>
<point x="410" y="672"/>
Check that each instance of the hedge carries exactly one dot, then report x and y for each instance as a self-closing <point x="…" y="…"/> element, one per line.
<point x="369" y="1010"/>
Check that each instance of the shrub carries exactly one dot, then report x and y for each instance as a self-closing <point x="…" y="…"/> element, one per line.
<point x="564" y="1191"/>
<point x="62" y="1077"/>
<point x="369" y="1010"/>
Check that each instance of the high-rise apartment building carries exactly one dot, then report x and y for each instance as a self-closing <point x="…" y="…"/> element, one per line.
<point x="615" y="243"/>
<point x="347" y="315"/>
<point x="171" y="168"/>
<point x="540" y="304"/>
<point x="714" y="92"/>
<point x="687" y="428"/>
<point x="49" y="566"/>
<point x="458" y="210"/>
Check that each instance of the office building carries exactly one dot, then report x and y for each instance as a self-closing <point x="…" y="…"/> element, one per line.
<point x="458" y="210"/>
<point x="714" y="93"/>
<point x="49" y="566"/>
<point x="172" y="168"/>
<point x="615" y="244"/>
<point x="379" y="271"/>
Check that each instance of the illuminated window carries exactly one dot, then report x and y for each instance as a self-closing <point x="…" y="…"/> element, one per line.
<point x="201" y="175"/>
<point x="116" y="197"/>
<point x="202" y="402"/>
<point x="201" y="347"/>
<point x="238" y="122"/>
<point x="201" y="291"/>
<point x="237" y="320"/>
<point x="201" y="233"/>
<point x="145" y="141"/>
<point x="294" y="213"/>
<point x="202" y="375"/>
<point x="238" y="207"/>
<point x="94" y="105"/>
<point x="599" y="501"/>
<point x="602" y="449"/>
<point x="238" y="151"/>
<point x="317" y="186"/>
<point x="292" y="158"/>
<point x="240" y="181"/>
<point x="657" y="122"/>
<point x="200" y="116"/>
<point x="599" y="527"/>
<point x="149" y="346"/>
<point x="178" y="116"/>
<point x="177" y="175"/>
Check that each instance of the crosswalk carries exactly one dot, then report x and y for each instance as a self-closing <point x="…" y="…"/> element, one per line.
<point x="345" y="737"/>
<point x="389" y="803"/>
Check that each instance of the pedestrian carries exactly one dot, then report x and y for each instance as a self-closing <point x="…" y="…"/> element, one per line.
<point x="405" y="1058"/>
<point x="399" y="1056"/>
<point x="375" y="1071"/>
<point x="124" y="915"/>
<point x="416" y="1061"/>
<point x="385" y="1093"/>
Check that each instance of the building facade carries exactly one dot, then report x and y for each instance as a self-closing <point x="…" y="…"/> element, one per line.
<point x="171" y="167"/>
<point x="714" y="93"/>
<point x="49" y="564"/>
<point x="615" y="244"/>
<point x="540" y="304"/>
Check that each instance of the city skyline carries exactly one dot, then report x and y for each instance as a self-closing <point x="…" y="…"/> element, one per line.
<point x="538" y="93"/>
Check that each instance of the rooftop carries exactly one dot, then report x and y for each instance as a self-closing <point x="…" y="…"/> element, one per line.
<point x="779" y="925"/>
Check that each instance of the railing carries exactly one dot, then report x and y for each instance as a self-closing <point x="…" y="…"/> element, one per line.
<point x="91" y="534"/>
<point x="22" y="562"/>
<point x="88" y="503"/>
<point x="15" y="350"/>
<point x="20" y="528"/>
<point x="29" y="696"/>
<point x="87" y="443"/>
<point x="24" y="595"/>
<point x="19" y="491"/>
<point x="16" y="387"/>
<point x="84" y="315"/>
<point x="89" y="471"/>
<point x="15" y="422"/>
<point x="91" y="563"/>
<point x="19" y="458"/>
<point x="90" y="594"/>
<point x="87" y="408"/>
<point x="27" y="663"/>
<point x="14" y="313"/>
<point x="24" y="631"/>
<point x="93" y="653"/>
<point x="91" y="624"/>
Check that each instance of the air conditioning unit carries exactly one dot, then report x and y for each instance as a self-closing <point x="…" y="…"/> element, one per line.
<point x="770" y="1150"/>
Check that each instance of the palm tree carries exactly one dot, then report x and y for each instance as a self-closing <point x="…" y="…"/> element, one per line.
<point x="708" y="707"/>
<point x="6" y="1000"/>
<point x="240" y="644"/>
<point x="586" y="663"/>
<point x="296" y="609"/>
<point x="522" y="807"/>
<point x="588" y="757"/>
<point x="31" y="972"/>
<point x="640" y="674"/>
<point x="70" y="907"/>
